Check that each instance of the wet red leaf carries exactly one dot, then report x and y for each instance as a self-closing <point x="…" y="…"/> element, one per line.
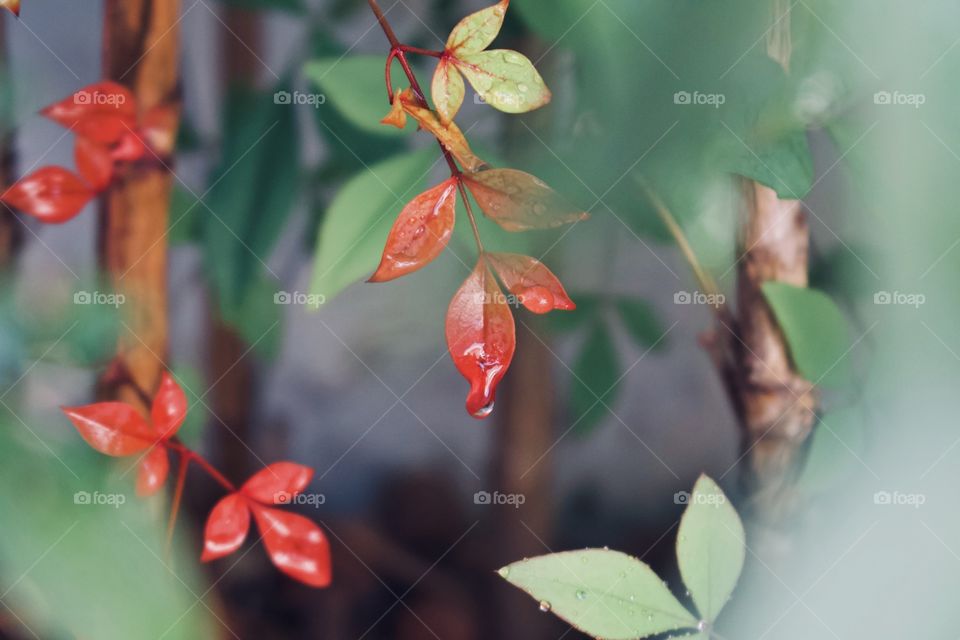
<point x="531" y="281"/>
<point x="420" y="233"/>
<point x="295" y="545"/>
<point x="227" y="527"/>
<point x="518" y="201"/>
<point x="481" y="337"/>
<point x="278" y="483"/>
<point x="113" y="428"/>
<point x="152" y="471"/>
<point x="94" y="162"/>
<point x="50" y="194"/>
<point x="169" y="407"/>
<point x="103" y="112"/>
<point x="129" y="147"/>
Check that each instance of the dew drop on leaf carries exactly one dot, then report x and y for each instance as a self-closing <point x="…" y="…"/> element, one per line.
<point x="581" y="595"/>
<point x="484" y="411"/>
<point x="544" y="606"/>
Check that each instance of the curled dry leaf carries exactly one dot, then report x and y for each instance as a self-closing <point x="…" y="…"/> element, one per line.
<point x="448" y="134"/>
<point x="152" y="471"/>
<point x="481" y="337"/>
<point x="295" y="545"/>
<point x="518" y="201"/>
<point x="103" y="112"/>
<point x="50" y="194"/>
<point x="531" y="281"/>
<point x="113" y="428"/>
<point x="227" y="527"/>
<point x="278" y="482"/>
<point x="420" y="233"/>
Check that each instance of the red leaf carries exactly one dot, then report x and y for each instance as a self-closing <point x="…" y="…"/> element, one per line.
<point x="130" y="147"/>
<point x="481" y="337"/>
<point x="278" y="482"/>
<point x="518" y="201"/>
<point x="153" y="471"/>
<point x="113" y="428"/>
<point x="227" y="527"/>
<point x="531" y="281"/>
<point x="94" y="162"/>
<point x="50" y="194"/>
<point x="102" y="112"/>
<point x="11" y="5"/>
<point x="296" y="545"/>
<point x="169" y="407"/>
<point x="420" y="233"/>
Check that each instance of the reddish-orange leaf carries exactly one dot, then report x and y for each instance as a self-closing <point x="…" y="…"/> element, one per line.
<point x="278" y="482"/>
<point x="11" y="5"/>
<point x="113" y="428"/>
<point x="153" y="471"/>
<point x="94" y="162"/>
<point x="397" y="116"/>
<point x="420" y="233"/>
<point x="50" y="194"/>
<point x="102" y="112"/>
<point x="128" y="148"/>
<point x="531" y="281"/>
<point x="226" y="528"/>
<point x="481" y="337"/>
<point x="518" y="201"/>
<point x="296" y="545"/>
<point x="449" y="134"/>
<point x="169" y="407"/>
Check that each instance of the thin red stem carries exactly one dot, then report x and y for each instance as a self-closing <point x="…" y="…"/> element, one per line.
<point x="202" y="462"/>
<point x="421" y="52"/>
<point x="177" y="496"/>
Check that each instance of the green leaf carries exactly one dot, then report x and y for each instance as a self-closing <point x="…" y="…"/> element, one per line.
<point x="710" y="548"/>
<point x="595" y="376"/>
<point x="589" y="306"/>
<point x="785" y="164"/>
<point x="815" y="329"/>
<point x="257" y="317"/>
<point x="835" y="451"/>
<point x="355" y="227"/>
<point x="605" y="594"/>
<point x="353" y="85"/>
<point x="252" y="193"/>
<point x="475" y="32"/>
<point x="186" y="215"/>
<point x="505" y="79"/>
<point x="641" y="322"/>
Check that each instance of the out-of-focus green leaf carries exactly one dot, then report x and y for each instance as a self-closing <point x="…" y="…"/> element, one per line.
<point x="835" y="451"/>
<point x="785" y="165"/>
<point x="258" y="317"/>
<point x="185" y="218"/>
<point x="603" y="593"/>
<point x="815" y="329"/>
<point x="641" y="322"/>
<point x="589" y="306"/>
<point x="710" y="548"/>
<point x="595" y="372"/>
<point x="355" y="227"/>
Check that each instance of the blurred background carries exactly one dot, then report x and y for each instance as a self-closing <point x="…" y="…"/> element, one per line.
<point x="279" y="211"/>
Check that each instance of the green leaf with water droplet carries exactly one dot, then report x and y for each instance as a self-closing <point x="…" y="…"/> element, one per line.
<point x="710" y="548"/>
<point x="506" y="80"/>
<point x="605" y="594"/>
<point x="476" y="31"/>
<point x="447" y="91"/>
<point x="815" y="329"/>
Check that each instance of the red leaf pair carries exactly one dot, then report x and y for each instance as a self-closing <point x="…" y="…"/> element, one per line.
<point x="117" y="429"/>
<point x="481" y="335"/>
<point x="295" y="545"/>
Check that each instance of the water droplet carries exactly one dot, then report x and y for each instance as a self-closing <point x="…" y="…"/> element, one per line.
<point x="544" y="606"/>
<point x="581" y="595"/>
<point x="522" y="88"/>
<point x="649" y="617"/>
<point x="484" y="411"/>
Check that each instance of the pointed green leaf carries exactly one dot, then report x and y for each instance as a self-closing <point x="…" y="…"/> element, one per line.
<point x="595" y="376"/>
<point x="641" y="322"/>
<point x="447" y="91"/>
<point x="605" y="594"/>
<point x="505" y="79"/>
<point x="355" y="227"/>
<point x="815" y="329"/>
<point x="475" y="32"/>
<point x="710" y="548"/>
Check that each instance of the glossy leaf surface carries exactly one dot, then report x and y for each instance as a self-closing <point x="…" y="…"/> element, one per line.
<point x="103" y="112"/>
<point x="50" y="194"/>
<point x="94" y="162"/>
<point x="152" y="471"/>
<point x="295" y="545"/>
<point x="518" y="201"/>
<point x="227" y="527"/>
<point x="113" y="428"/>
<point x="447" y="90"/>
<point x="481" y="337"/>
<point x="506" y="80"/>
<point x="531" y="281"/>
<point x="476" y="31"/>
<point x="277" y="483"/>
<point x="169" y="407"/>
<point x="420" y="233"/>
